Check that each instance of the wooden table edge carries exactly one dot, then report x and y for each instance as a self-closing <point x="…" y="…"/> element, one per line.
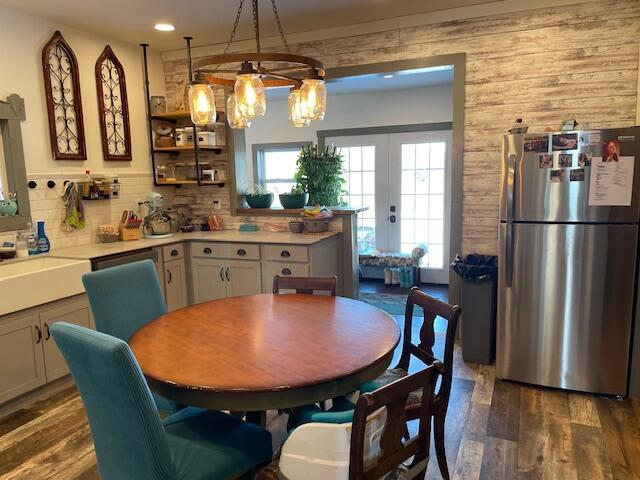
<point x="270" y="399"/>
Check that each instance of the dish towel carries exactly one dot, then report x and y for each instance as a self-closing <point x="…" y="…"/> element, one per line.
<point x="74" y="209"/>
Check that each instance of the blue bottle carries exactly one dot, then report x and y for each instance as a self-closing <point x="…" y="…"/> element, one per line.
<point x="43" y="241"/>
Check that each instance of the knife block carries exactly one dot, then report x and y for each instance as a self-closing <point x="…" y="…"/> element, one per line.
<point x="129" y="234"/>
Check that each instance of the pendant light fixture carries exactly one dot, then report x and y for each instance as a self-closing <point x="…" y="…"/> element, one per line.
<point x="314" y="96"/>
<point x="249" y="92"/>
<point x="297" y="109"/>
<point x="234" y="117"/>
<point x="202" y="99"/>
<point x="202" y="103"/>
<point x="245" y="76"/>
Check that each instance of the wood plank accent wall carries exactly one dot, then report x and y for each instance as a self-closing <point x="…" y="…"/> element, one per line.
<point x="543" y="65"/>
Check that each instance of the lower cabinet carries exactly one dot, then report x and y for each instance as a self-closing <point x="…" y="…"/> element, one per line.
<point x="175" y="284"/>
<point x="76" y="312"/>
<point x="213" y="278"/>
<point x="29" y="356"/>
<point x="208" y="279"/>
<point x="21" y="355"/>
<point x="243" y="278"/>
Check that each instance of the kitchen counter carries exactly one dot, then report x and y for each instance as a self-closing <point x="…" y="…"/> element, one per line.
<point x="295" y="212"/>
<point x="97" y="250"/>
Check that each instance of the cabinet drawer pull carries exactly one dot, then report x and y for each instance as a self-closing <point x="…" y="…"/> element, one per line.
<point x="285" y="254"/>
<point x="170" y="276"/>
<point x="286" y="271"/>
<point x="242" y="252"/>
<point x="227" y="273"/>
<point x="48" y="334"/>
<point x="207" y="250"/>
<point x="38" y="334"/>
<point x="221" y="274"/>
<point x="174" y="253"/>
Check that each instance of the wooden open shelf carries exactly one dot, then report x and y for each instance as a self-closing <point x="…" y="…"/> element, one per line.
<point x="182" y="115"/>
<point x="193" y="182"/>
<point x="189" y="148"/>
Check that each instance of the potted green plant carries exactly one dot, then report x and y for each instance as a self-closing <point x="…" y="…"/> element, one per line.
<point x="319" y="172"/>
<point x="296" y="198"/>
<point x="257" y="197"/>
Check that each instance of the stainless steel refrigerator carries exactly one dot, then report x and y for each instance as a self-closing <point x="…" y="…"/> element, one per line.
<point x="568" y="240"/>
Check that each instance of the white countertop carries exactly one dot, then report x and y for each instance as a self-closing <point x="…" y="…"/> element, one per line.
<point x="97" y="250"/>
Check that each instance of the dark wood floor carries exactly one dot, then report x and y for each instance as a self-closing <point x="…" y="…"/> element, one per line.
<point x="495" y="430"/>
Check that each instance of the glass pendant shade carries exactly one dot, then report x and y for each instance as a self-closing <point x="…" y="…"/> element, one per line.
<point x="296" y="110"/>
<point x="314" y="97"/>
<point x="202" y="104"/>
<point x="249" y="92"/>
<point x="234" y="117"/>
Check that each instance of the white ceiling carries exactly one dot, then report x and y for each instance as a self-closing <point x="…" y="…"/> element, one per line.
<point x="210" y="21"/>
<point x="377" y="82"/>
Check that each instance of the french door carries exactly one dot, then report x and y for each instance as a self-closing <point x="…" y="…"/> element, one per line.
<point x="404" y="179"/>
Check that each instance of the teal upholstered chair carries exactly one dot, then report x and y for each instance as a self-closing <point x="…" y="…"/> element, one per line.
<point x="131" y="442"/>
<point x="124" y="299"/>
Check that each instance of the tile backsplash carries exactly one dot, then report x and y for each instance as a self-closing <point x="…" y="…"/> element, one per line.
<point x="46" y="204"/>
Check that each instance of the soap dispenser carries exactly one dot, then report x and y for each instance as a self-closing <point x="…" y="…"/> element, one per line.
<point x="43" y="241"/>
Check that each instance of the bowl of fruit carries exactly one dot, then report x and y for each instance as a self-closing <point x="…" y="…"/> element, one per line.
<point x="316" y="219"/>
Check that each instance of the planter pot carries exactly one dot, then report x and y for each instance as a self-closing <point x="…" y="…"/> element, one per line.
<point x="296" y="227"/>
<point x="294" y="200"/>
<point x="259" y="201"/>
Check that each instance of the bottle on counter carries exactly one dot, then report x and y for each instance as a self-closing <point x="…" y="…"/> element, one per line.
<point x="21" y="244"/>
<point x="43" y="241"/>
<point x="32" y="240"/>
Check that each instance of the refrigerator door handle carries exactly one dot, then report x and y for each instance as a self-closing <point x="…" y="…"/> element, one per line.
<point x="511" y="185"/>
<point x="508" y="255"/>
<point x="512" y="150"/>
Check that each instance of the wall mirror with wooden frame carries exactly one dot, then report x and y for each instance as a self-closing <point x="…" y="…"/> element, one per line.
<point x="13" y="176"/>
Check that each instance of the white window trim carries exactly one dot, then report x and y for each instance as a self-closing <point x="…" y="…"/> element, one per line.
<point x="258" y="159"/>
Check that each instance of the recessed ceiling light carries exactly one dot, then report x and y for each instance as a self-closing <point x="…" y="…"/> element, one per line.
<point x="390" y="75"/>
<point x="164" y="27"/>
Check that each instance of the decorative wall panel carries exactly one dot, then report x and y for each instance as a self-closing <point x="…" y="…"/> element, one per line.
<point x="113" y="109"/>
<point x="64" y="104"/>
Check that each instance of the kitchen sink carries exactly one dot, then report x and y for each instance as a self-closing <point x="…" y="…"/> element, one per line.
<point x="38" y="280"/>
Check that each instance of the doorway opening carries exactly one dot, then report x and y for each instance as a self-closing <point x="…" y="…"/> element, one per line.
<point x="399" y="127"/>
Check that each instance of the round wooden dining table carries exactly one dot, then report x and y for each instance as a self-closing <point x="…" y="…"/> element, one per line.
<point x="264" y="352"/>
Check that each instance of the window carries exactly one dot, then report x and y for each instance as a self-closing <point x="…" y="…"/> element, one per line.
<point x="275" y="166"/>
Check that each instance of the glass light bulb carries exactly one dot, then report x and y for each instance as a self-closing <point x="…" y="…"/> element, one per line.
<point x="314" y="96"/>
<point x="249" y="92"/>
<point x="296" y="107"/>
<point x="234" y="117"/>
<point x="202" y="104"/>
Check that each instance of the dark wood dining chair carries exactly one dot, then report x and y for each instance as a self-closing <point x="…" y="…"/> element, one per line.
<point x="395" y="451"/>
<point x="371" y="455"/>
<point x="305" y="284"/>
<point x="423" y="351"/>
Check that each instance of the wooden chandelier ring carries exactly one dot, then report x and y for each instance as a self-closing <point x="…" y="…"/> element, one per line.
<point x="267" y="82"/>
<point x="213" y="60"/>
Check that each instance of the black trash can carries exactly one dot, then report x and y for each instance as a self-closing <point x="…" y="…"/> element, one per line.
<point x="478" y="298"/>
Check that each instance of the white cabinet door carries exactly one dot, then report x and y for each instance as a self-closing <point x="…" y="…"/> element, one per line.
<point x="243" y="277"/>
<point x="21" y="356"/>
<point x="74" y="311"/>
<point x="175" y="284"/>
<point x="208" y="278"/>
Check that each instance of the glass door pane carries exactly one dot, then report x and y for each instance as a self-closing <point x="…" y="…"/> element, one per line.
<point x="360" y="177"/>
<point x="365" y="183"/>
<point x="420" y="191"/>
